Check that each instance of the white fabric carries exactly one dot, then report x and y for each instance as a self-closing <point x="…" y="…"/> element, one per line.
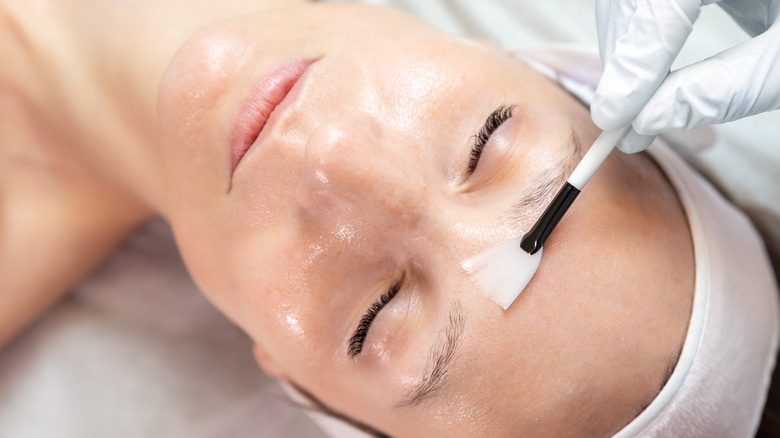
<point x="718" y="387"/>
<point x="136" y="351"/>
<point x="639" y="41"/>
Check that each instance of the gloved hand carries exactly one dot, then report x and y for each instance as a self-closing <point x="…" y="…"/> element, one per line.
<point x="639" y="40"/>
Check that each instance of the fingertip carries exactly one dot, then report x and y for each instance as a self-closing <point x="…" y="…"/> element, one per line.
<point x="633" y="142"/>
<point x="606" y="114"/>
<point x="618" y="98"/>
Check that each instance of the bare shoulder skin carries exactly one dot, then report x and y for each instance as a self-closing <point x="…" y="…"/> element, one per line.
<point x="57" y="218"/>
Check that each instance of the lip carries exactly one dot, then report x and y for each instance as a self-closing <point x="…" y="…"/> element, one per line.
<point x="269" y="92"/>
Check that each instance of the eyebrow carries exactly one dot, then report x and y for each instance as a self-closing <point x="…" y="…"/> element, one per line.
<point x="440" y="359"/>
<point x="544" y="187"/>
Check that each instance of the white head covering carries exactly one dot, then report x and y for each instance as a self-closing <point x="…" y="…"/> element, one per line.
<point x="719" y="385"/>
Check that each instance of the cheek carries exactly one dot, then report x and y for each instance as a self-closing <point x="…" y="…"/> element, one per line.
<point x="197" y="78"/>
<point x="203" y="256"/>
<point x="201" y="68"/>
<point x="193" y="98"/>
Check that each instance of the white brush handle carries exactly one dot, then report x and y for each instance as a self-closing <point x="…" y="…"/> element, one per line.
<point x="595" y="157"/>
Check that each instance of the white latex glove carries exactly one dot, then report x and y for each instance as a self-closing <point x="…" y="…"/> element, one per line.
<point x="639" y="40"/>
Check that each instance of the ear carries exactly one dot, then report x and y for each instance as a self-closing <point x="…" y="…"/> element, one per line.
<point x="267" y="363"/>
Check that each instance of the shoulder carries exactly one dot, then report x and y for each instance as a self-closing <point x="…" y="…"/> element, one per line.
<point x="54" y="213"/>
<point x="57" y="221"/>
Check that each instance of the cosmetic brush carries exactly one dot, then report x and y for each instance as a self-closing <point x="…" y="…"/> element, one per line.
<point x="503" y="271"/>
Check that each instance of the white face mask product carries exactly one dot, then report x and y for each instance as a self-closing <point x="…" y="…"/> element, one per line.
<point x="504" y="270"/>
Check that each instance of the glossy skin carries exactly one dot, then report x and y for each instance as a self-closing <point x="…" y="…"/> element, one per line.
<point x="359" y="179"/>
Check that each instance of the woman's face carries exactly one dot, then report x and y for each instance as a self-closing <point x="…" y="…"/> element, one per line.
<point x="364" y="184"/>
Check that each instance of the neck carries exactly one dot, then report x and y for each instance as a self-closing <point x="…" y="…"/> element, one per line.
<point x="90" y="69"/>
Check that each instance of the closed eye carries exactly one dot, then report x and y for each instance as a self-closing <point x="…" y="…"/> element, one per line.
<point x="359" y="336"/>
<point x="493" y="122"/>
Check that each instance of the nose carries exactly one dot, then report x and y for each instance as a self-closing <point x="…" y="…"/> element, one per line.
<point x="353" y="166"/>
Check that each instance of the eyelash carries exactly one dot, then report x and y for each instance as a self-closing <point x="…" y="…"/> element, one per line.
<point x="494" y="120"/>
<point x="356" y="342"/>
